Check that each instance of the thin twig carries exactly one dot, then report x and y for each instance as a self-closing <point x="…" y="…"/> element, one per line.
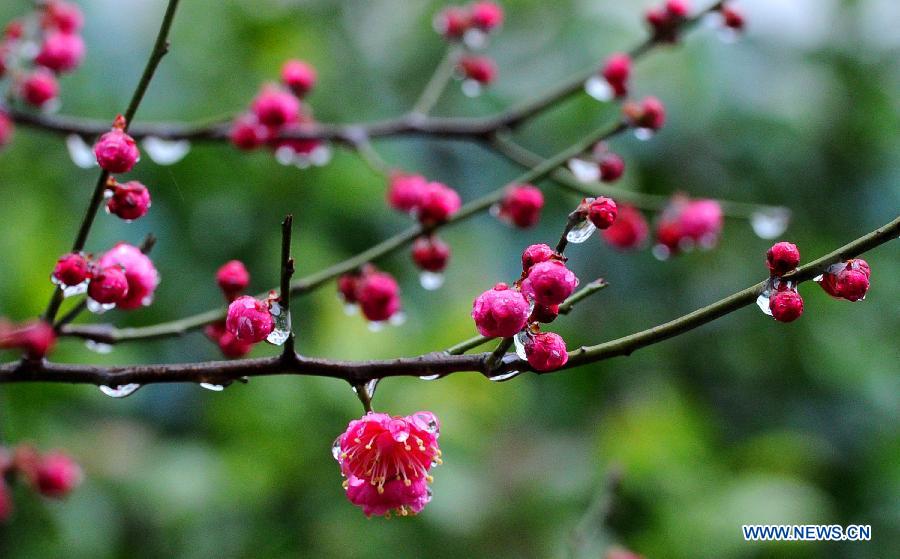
<point x="356" y="372"/>
<point x="287" y="270"/>
<point x="437" y="84"/>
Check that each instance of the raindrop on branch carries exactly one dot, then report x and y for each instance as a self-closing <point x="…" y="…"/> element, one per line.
<point x="581" y="232"/>
<point x="282" y="330"/>
<point x="430" y="377"/>
<point x="519" y="340"/>
<point x="644" y="134"/>
<point x="598" y="88"/>
<point x="166" y="152"/>
<point x="213" y="387"/>
<point x="98" y="347"/>
<point x="81" y="153"/>
<point x="584" y="171"/>
<point x="471" y="88"/>
<point x="122" y="391"/>
<point x="431" y="280"/>
<point x="770" y="223"/>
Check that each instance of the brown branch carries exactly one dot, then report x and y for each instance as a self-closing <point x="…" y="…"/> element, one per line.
<point x="440" y="363"/>
<point x="413" y="123"/>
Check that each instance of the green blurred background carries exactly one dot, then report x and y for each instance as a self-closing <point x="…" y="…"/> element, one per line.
<point x="741" y="421"/>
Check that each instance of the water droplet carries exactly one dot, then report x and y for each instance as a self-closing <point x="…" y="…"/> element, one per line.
<point x="426" y="421"/>
<point x="712" y="20"/>
<point x="770" y="223"/>
<point x="321" y="155"/>
<point x="211" y="386"/>
<point x="81" y="153"/>
<point x="368" y="388"/>
<point x="520" y="340"/>
<point x="584" y="171"/>
<point x="581" y="232"/>
<point x="708" y="241"/>
<point x="99" y="308"/>
<point x="819" y="278"/>
<point x="98" y="347"/>
<point x="52" y="106"/>
<point x="644" y="134"/>
<point x="350" y="309"/>
<point x="475" y="39"/>
<point x="285" y="155"/>
<point x="166" y="152"/>
<point x="336" y="449"/>
<point x="505" y="376"/>
<point x="72" y="290"/>
<point x="376" y="325"/>
<point x="494" y="210"/>
<point x="728" y="35"/>
<point x="282" y="330"/>
<point x="397" y="319"/>
<point x="598" y="88"/>
<point x="661" y="252"/>
<point x="471" y="88"/>
<point x="430" y="377"/>
<point x="763" y="302"/>
<point x="431" y="280"/>
<point x="121" y="391"/>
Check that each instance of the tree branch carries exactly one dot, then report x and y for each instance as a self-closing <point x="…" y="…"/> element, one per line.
<point x="440" y="363"/>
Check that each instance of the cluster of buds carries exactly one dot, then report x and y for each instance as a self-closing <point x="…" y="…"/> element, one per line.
<point x="232" y="278"/>
<point x="431" y="255"/>
<point x="374" y="291"/>
<point x="122" y="277"/>
<point x="685" y="224"/>
<point x="517" y="311"/>
<point x="780" y="298"/>
<point x="386" y="462"/>
<point x="847" y="280"/>
<point x="429" y="201"/>
<point x="471" y="23"/>
<point x="666" y="21"/>
<point x="598" y="164"/>
<point x="278" y="112"/>
<point x="55" y="27"/>
<point x="53" y="474"/>
<point x="521" y="205"/>
<point x="34" y="339"/>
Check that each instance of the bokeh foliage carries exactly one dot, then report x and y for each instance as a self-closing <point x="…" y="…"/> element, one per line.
<point x="744" y="420"/>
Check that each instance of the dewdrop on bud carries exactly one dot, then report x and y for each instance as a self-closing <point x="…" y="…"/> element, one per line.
<point x="546" y="351"/>
<point x="249" y="319"/>
<point x="847" y="280"/>
<point x="71" y="270"/>
<point x="500" y="312"/>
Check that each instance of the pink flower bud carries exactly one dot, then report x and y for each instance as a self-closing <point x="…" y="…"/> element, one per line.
<point x="378" y="295"/>
<point x="602" y="212"/>
<point x="430" y="253"/>
<point x="233" y="278"/>
<point x="732" y="18"/>
<point x="687" y="222"/>
<point x="249" y="319"/>
<point x="129" y="200"/>
<point x="521" y="205"/>
<point x="616" y="71"/>
<point x="230" y="346"/>
<point x="61" y="52"/>
<point x="248" y="133"/>
<point x="629" y="231"/>
<point x="108" y="285"/>
<point x="438" y="203"/>
<point x="482" y="69"/>
<point x="847" y="280"/>
<point x="535" y="254"/>
<point x="500" y="312"/>
<point x="544" y="314"/>
<point x="7" y="127"/>
<point x="786" y="305"/>
<point x="649" y="113"/>
<point x="35" y="339"/>
<point x="139" y="271"/>
<point x="452" y="22"/>
<point x="486" y="15"/>
<point x="14" y="30"/>
<point x="39" y="87"/>
<point x="611" y="167"/>
<point x="782" y="258"/>
<point x="6" y="502"/>
<point x="57" y="475"/>
<point x="300" y="146"/>
<point x="405" y="191"/>
<point x="71" y="269"/>
<point x="347" y="284"/>
<point x="549" y="283"/>
<point x="387" y="460"/>
<point x="116" y="151"/>
<point x="64" y="16"/>
<point x="299" y="76"/>
<point x="619" y="553"/>
<point x="274" y="106"/>
<point x="678" y="8"/>
<point x="546" y="351"/>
